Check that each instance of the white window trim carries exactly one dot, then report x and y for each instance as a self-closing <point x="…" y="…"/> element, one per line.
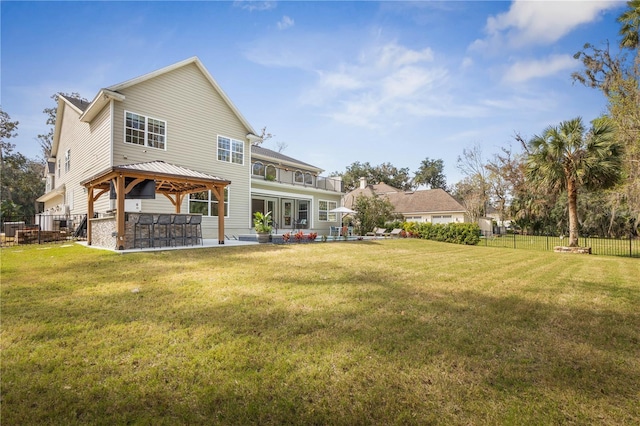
<point x="146" y="131"/>
<point x="67" y="161"/>
<point x="210" y="202"/>
<point x="328" y="208"/>
<point x="264" y="169"/>
<point x="231" y="141"/>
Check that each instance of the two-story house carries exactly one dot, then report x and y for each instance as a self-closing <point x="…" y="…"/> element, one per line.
<point x="177" y="129"/>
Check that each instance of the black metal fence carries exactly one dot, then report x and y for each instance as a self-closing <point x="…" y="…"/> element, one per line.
<point x="628" y="246"/>
<point x="42" y="228"/>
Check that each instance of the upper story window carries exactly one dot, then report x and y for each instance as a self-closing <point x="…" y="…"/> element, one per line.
<point x="308" y="178"/>
<point x="145" y="131"/>
<point x="230" y="150"/>
<point x="299" y="177"/>
<point x="59" y="167"/>
<point x="270" y="172"/>
<point x="257" y="169"/>
<point x="67" y="161"/>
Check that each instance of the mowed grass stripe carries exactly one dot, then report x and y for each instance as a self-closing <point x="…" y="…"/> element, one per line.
<point x="383" y="332"/>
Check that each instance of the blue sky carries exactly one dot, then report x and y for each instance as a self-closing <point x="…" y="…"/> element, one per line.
<point x="337" y="82"/>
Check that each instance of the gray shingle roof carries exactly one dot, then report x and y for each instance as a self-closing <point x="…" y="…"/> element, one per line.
<point x="78" y="103"/>
<point x="277" y="156"/>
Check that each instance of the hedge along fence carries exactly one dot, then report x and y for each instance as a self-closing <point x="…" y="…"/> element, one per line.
<point x="457" y="233"/>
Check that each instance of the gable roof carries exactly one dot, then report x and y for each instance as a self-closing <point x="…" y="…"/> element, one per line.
<point x="193" y="60"/>
<point x="277" y="157"/>
<point x="424" y="201"/>
<point x="169" y="177"/>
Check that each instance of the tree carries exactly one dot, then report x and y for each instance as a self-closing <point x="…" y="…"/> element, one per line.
<point x="383" y="173"/>
<point x="431" y="174"/>
<point x="630" y="25"/>
<point x="371" y="211"/>
<point x="618" y="77"/>
<point x="568" y="157"/>
<point x="475" y="185"/>
<point x="46" y="140"/>
<point x="7" y="131"/>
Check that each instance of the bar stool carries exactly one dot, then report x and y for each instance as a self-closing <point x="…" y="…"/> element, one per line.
<point x="180" y="222"/>
<point x="195" y="221"/>
<point x="144" y="220"/>
<point x="164" y="230"/>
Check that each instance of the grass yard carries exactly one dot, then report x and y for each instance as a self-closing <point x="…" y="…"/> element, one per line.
<point x="383" y="332"/>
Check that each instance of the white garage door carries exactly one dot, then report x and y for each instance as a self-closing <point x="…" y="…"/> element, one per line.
<point x="446" y="218"/>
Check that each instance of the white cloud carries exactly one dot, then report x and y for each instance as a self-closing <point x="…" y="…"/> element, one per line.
<point x="539" y="22"/>
<point x="285" y="23"/>
<point x="384" y="81"/>
<point x="255" y="5"/>
<point x="526" y="70"/>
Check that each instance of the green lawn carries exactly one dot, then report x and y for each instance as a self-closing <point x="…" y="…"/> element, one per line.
<point x="383" y="332"/>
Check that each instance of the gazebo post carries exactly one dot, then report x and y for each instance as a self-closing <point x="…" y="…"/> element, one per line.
<point x="120" y="243"/>
<point x="218" y="191"/>
<point x="89" y="212"/>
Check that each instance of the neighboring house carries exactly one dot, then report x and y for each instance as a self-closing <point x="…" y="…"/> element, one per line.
<point x="431" y="205"/>
<point x="175" y="116"/>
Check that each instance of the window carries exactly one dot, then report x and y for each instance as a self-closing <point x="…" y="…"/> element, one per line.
<point x="270" y="172"/>
<point x="299" y="177"/>
<point x="323" y="211"/>
<point x="230" y="150"/>
<point x="67" y="161"/>
<point x="257" y="169"/>
<point x="206" y="204"/>
<point x="145" y="131"/>
<point x="59" y="166"/>
<point x="308" y="179"/>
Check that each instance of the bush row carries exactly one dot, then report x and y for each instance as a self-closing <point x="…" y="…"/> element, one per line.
<point x="457" y="233"/>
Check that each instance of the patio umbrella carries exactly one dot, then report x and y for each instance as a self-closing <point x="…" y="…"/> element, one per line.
<point x="342" y="209"/>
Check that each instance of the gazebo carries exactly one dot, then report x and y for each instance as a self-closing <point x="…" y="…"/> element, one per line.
<point x="174" y="182"/>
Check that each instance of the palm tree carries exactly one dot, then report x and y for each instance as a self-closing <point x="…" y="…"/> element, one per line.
<point x="630" y="20"/>
<point x="568" y="158"/>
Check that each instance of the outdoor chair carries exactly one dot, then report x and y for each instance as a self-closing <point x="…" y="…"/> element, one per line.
<point x="396" y="232"/>
<point x="334" y="231"/>
<point x="179" y="223"/>
<point x="381" y="232"/>
<point x="144" y="221"/>
<point x="195" y="229"/>
<point x="163" y="223"/>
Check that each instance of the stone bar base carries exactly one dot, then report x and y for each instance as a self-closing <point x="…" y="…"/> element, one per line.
<point x="577" y="250"/>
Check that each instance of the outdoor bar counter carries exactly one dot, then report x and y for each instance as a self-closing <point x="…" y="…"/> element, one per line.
<point x="144" y="230"/>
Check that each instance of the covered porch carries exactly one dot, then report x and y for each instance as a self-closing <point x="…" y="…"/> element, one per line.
<point x="145" y="180"/>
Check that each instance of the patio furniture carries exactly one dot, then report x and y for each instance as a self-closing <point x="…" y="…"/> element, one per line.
<point x="163" y="223"/>
<point x="144" y="221"/>
<point x="195" y="229"/>
<point x="179" y="224"/>
<point x="395" y="232"/>
<point x="334" y="231"/>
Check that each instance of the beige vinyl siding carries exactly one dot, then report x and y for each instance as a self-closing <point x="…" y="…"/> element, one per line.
<point x="269" y="189"/>
<point x="90" y="148"/>
<point x="195" y="115"/>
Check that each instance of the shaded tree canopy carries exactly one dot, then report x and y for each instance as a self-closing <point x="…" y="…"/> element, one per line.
<point x="431" y="174"/>
<point x="383" y="173"/>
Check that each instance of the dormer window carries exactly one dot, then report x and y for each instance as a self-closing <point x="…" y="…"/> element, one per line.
<point x="145" y="131"/>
